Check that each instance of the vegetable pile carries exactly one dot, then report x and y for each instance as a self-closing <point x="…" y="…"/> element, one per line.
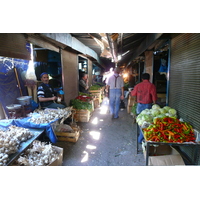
<point x="95" y="87"/>
<point x="148" y="115"/>
<point x="78" y="104"/>
<point x="40" y="154"/>
<point x="84" y="98"/>
<point x="85" y="94"/>
<point x="169" y="129"/>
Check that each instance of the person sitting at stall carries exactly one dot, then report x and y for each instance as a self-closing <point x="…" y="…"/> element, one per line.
<point x="83" y="84"/>
<point x="45" y="94"/>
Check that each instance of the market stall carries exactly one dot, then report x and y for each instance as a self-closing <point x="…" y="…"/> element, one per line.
<point x="14" y="140"/>
<point x="164" y="130"/>
<point x="18" y="135"/>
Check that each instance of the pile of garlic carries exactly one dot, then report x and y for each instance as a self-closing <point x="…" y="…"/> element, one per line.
<point x="10" y="140"/>
<point x="40" y="154"/>
<point x="49" y="115"/>
<point x="20" y="133"/>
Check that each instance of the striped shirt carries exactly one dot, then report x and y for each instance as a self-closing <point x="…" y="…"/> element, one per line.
<point x="41" y="92"/>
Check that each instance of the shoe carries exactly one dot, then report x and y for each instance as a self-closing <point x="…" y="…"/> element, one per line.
<point x="115" y="117"/>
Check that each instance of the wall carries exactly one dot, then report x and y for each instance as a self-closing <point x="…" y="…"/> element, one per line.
<point x="90" y="71"/>
<point x="149" y="64"/>
<point x="69" y="75"/>
<point x="14" y="45"/>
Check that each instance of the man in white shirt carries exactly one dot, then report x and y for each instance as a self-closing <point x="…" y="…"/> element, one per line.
<point x="115" y="84"/>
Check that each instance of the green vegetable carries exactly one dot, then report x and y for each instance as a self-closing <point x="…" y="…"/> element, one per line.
<point x="155" y="106"/>
<point x="84" y="94"/>
<point x="133" y="109"/>
<point x="172" y="111"/>
<point x="95" y="87"/>
<point x="162" y="110"/>
<point x="166" y="108"/>
<point x="155" y="112"/>
<point x="77" y="104"/>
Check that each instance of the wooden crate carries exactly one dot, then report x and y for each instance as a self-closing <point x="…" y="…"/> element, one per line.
<point x="96" y="103"/>
<point x="96" y="93"/>
<point x="130" y="101"/>
<point x="69" y="136"/>
<point x="129" y="109"/>
<point x="82" y="115"/>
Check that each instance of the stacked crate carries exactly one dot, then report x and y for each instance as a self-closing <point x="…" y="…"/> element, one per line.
<point x="97" y="95"/>
<point x="82" y="115"/>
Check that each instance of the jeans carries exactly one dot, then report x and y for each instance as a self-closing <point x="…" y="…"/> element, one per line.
<point x="140" y="108"/>
<point x="114" y="102"/>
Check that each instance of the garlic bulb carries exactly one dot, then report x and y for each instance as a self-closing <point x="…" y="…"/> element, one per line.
<point x="10" y="140"/>
<point x="39" y="154"/>
<point x="49" y="115"/>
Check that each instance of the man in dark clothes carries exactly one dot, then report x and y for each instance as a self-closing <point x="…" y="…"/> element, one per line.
<point x="83" y="83"/>
<point x="46" y="95"/>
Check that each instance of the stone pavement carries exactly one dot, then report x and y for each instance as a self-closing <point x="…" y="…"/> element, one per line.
<point x="104" y="141"/>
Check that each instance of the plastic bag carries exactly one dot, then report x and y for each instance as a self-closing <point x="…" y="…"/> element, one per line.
<point x="122" y="104"/>
<point x="63" y="128"/>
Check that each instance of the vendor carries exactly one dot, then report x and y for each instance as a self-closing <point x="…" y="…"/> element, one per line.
<point x="83" y="83"/>
<point x="46" y="95"/>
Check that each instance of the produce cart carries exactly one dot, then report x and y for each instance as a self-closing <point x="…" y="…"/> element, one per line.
<point x="188" y="150"/>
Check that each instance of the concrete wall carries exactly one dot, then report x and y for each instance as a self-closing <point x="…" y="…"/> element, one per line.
<point x="69" y="75"/>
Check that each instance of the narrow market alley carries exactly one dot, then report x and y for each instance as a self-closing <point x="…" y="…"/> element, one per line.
<point x="104" y="141"/>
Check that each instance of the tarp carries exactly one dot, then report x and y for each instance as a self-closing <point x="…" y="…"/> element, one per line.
<point x="27" y="124"/>
<point x="9" y="90"/>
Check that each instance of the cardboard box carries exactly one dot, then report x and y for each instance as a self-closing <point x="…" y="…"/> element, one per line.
<point x="59" y="160"/>
<point x="163" y="155"/>
<point x="167" y="160"/>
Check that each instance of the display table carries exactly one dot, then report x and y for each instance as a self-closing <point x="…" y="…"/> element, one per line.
<point x="25" y="123"/>
<point x="190" y="152"/>
<point x="24" y="145"/>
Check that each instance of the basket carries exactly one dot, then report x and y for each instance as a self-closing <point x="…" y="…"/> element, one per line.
<point x="24" y="100"/>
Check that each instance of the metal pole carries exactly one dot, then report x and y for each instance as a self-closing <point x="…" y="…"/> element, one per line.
<point x="18" y="83"/>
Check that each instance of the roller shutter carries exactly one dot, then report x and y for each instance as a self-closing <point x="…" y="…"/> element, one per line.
<point x="13" y="45"/>
<point x="184" y="77"/>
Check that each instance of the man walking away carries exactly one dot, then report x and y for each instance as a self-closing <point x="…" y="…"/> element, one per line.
<point x="145" y="94"/>
<point x="115" y="84"/>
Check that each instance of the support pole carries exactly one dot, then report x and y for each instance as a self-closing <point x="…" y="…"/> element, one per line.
<point x="18" y="83"/>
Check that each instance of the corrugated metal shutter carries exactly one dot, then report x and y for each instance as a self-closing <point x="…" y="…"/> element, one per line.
<point x="184" y="87"/>
<point x="13" y="45"/>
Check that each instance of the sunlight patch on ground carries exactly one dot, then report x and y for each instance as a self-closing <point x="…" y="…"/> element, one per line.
<point x="95" y="121"/>
<point x="85" y="158"/>
<point x="95" y="134"/>
<point x="104" y="106"/>
<point x="90" y="146"/>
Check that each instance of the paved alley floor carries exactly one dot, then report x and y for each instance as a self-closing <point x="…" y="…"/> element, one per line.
<point x="104" y="141"/>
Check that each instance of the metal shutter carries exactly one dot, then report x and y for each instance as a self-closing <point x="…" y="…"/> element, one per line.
<point x="13" y="45"/>
<point x="184" y="77"/>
